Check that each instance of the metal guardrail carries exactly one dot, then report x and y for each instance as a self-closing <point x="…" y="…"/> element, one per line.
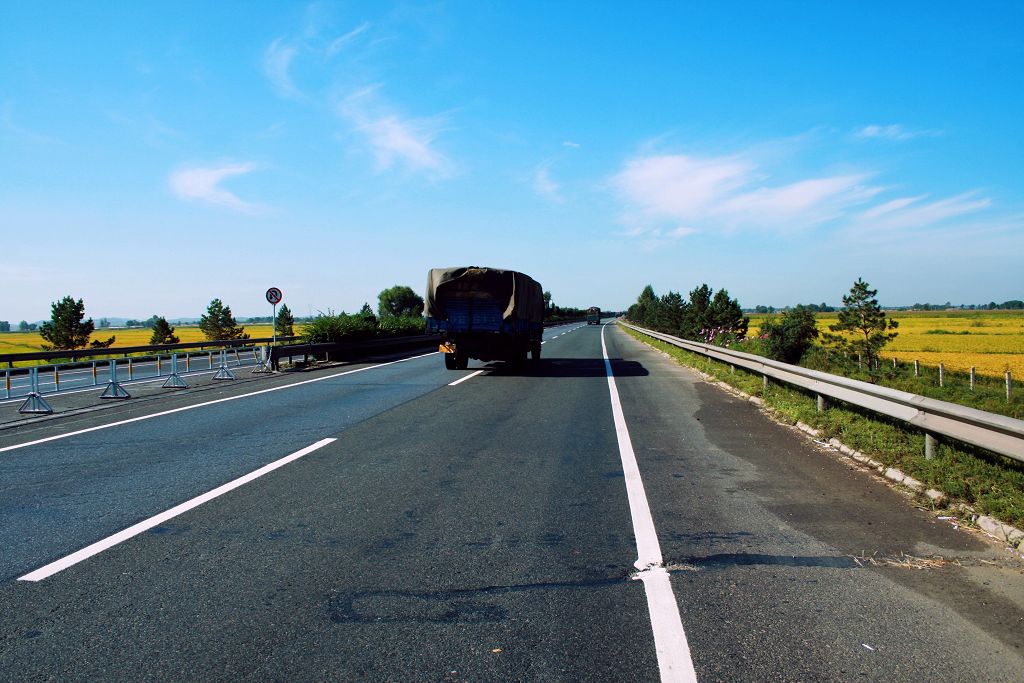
<point x="993" y="432"/>
<point x="82" y="354"/>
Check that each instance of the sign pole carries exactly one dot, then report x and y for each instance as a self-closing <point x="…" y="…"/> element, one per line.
<point x="274" y="320"/>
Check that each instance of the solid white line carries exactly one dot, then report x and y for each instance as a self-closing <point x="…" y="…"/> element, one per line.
<point x="206" y="403"/>
<point x="136" y="529"/>
<point x="670" y="642"/>
<point x="463" y="379"/>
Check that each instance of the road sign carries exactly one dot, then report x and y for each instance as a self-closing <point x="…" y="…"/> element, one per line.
<point x="274" y="295"/>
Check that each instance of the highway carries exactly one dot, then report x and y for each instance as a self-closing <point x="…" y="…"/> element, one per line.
<point x="391" y="520"/>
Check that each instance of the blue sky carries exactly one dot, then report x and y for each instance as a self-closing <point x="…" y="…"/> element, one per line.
<point x="154" y="156"/>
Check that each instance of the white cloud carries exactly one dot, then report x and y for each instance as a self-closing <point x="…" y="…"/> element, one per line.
<point x="340" y="42"/>
<point x="202" y="184"/>
<point x="893" y="132"/>
<point x="677" y="186"/>
<point x="729" y="193"/>
<point x="570" y="144"/>
<point x="277" y="63"/>
<point x="392" y="138"/>
<point x="909" y="213"/>
<point x="544" y="185"/>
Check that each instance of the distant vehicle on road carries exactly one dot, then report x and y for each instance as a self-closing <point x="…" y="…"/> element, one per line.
<point x="593" y="315"/>
<point x="484" y="313"/>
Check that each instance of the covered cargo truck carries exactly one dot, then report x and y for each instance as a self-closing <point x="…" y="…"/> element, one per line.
<point x="593" y="315"/>
<point x="484" y="313"/>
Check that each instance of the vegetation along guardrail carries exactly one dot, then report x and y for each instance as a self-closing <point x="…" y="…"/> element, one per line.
<point x="997" y="433"/>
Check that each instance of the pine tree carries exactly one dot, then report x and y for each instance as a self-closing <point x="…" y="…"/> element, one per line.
<point x="163" y="332"/>
<point x="65" y="329"/>
<point x="864" y="319"/>
<point x="285" y="323"/>
<point x="219" y="323"/>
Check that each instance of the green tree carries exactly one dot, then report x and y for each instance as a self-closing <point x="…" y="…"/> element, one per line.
<point x="399" y="301"/>
<point x="163" y="332"/>
<point x="645" y="308"/>
<point x="366" y="313"/>
<point x="285" y="323"/>
<point x="863" y="324"/>
<point x="25" y="326"/>
<point x="5" y="326"/>
<point x="219" y="323"/>
<point x="788" y="337"/>
<point x="66" y="328"/>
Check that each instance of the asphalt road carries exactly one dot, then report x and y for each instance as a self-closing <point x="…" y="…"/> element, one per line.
<point x="479" y="531"/>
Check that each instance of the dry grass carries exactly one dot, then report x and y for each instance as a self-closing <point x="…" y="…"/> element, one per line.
<point x="991" y="341"/>
<point x="28" y="342"/>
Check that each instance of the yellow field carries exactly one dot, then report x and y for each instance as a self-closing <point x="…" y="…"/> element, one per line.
<point x="991" y="341"/>
<point x="27" y="342"/>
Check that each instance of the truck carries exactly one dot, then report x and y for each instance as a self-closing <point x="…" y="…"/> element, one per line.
<point x="484" y="313"/>
<point x="593" y="315"/>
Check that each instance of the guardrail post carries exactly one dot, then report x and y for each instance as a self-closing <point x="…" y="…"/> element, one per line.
<point x="159" y="369"/>
<point x="114" y="388"/>
<point x="1009" y="386"/>
<point x="188" y="362"/>
<point x="942" y="375"/>
<point x="7" y="382"/>
<point x="56" y="379"/>
<point x="224" y="372"/>
<point x="917" y="368"/>
<point x="732" y="369"/>
<point x="764" y="382"/>
<point x="929" y="446"/>
<point x="972" y="377"/>
<point x="209" y="359"/>
<point x="822" y="405"/>
<point x="894" y="362"/>
<point x="130" y="373"/>
<point x="238" y="360"/>
<point x="174" y="380"/>
<point x="95" y="378"/>
<point x="34" y="403"/>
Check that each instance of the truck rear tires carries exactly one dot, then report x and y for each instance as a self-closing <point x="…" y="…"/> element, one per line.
<point x="461" y="361"/>
<point x="535" y="353"/>
<point x="450" y="361"/>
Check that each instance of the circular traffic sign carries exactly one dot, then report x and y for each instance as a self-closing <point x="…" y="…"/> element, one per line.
<point x="274" y="295"/>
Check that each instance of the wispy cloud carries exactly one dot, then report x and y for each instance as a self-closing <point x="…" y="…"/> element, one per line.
<point x="911" y="212"/>
<point x="277" y="62"/>
<point x="893" y="132"/>
<point x="544" y="185"/>
<point x="202" y="183"/>
<point x="339" y="43"/>
<point x="730" y="193"/>
<point x="677" y="186"/>
<point x="570" y="144"/>
<point x="392" y="138"/>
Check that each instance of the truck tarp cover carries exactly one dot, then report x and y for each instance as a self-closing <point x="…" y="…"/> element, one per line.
<point x="521" y="294"/>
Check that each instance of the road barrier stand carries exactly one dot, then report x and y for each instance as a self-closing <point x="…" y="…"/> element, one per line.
<point x="174" y="380"/>
<point x="238" y="361"/>
<point x="973" y="369"/>
<point x="188" y="362"/>
<point x="223" y="372"/>
<point x="159" y="366"/>
<point x="114" y="389"/>
<point x="56" y="379"/>
<point x="34" y="403"/>
<point x="261" y="363"/>
<point x="131" y="375"/>
<point x="95" y="378"/>
<point x="7" y="382"/>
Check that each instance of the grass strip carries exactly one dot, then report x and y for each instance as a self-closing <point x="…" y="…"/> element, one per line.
<point x="988" y="482"/>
